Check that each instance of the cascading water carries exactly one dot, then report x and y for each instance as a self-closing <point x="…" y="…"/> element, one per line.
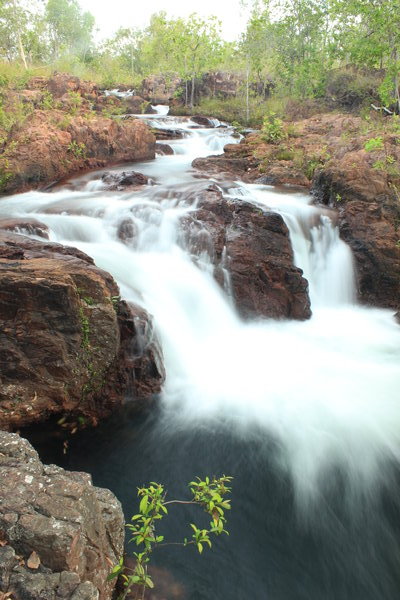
<point x="305" y="415"/>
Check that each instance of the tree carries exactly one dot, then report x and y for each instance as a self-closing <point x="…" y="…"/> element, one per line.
<point x="70" y="30"/>
<point x="368" y="34"/>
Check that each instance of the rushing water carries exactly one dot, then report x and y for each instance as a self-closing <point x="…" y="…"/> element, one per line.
<point x="304" y="415"/>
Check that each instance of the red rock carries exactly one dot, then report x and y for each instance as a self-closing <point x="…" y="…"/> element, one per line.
<point x="254" y="246"/>
<point x="69" y="345"/>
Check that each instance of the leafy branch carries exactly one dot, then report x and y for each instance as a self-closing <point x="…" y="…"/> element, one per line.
<point x="208" y="494"/>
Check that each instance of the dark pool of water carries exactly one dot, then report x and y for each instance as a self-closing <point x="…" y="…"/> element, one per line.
<point x="331" y="552"/>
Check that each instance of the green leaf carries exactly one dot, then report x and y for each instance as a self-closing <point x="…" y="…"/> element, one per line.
<point x="144" y="504"/>
<point x="200" y="547"/>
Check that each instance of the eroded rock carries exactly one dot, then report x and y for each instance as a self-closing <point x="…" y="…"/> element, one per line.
<point x="75" y="529"/>
<point x="127" y="179"/>
<point x="68" y="344"/>
<point x="252" y="245"/>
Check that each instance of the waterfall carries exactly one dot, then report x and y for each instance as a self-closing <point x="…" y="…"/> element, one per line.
<point x="310" y="407"/>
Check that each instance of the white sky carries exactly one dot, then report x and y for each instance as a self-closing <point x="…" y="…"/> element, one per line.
<point x="126" y="13"/>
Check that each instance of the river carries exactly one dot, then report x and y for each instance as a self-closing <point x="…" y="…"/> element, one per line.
<point x="304" y="415"/>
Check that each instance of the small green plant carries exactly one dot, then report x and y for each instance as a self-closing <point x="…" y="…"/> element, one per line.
<point x="75" y="102"/>
<point x="47" y="102"/>
<point x="77" y="149"/>
<point x="208" y="494"/>
<point x="374" y="144"/>
<point x="272" y="130"/>
<point x="338" y="197"/>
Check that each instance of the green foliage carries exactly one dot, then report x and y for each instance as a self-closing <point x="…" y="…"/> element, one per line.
<point x="77" y="149"/>
<point x="272" y="130"/>
<point x="374" y="144"/>
<point x="74" y="101"/>
<point x="208" y="494"/>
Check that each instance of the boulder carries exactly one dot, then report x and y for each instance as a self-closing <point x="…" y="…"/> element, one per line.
<point x="251" y="245"/>
<point x="127" y="179"/>
<point x="164" y="149"/>
<point x="26" y="226"/>
<point x="69" y="345"/>
<point x="59" y="534"/>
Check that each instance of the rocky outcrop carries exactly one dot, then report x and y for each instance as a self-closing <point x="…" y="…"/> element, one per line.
<point x="48" y="147"/>
<point x="68" y="345"/>
<point x="157" y="89"/>
<point x="63" y="125"/>
<point x="59" y="535"/>
<point x="331" y="154"/>
<point x="251" y="251"/>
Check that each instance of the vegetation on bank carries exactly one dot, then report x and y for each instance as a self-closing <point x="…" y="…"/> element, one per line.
<point x="345" y="52"/>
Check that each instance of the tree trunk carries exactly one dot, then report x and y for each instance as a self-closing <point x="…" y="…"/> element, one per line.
<point x="247" y="94"/>
<point x="192" y="93"/>
<point x="21" y="50"/>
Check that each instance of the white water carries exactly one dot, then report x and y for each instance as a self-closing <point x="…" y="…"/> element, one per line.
<point x="325" y="389"/>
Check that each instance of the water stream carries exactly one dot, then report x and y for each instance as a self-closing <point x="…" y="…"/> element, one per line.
<point x="304" y="415"/>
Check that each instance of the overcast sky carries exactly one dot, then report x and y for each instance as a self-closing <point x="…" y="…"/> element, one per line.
<point x="127" y="13"/>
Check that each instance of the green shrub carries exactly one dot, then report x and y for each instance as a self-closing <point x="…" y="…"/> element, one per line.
<point x="374" y="144"/>
<point x="272" y="130"/>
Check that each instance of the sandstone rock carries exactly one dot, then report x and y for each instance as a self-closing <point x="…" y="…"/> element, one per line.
<point x="126" y="179"/>
<point x="252" y="244"/>
<point x="76" y="529"/>
<point x="164" y="149"/>
<point x="68" y="344"/>
<point x="368" y="222"/>
<point x="202" y="120"/>
<point x="137" y="105"/>
<point x="76" y="143"/>
<point x="158" y="90"/>
<point x="169" y="134"/>
<point x="26" y="226"/>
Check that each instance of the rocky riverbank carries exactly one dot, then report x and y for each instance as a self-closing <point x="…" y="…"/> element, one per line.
<point x="62" y="125"/>
<point x="59" y="535"/>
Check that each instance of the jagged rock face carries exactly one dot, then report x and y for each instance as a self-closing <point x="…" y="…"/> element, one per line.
<point x="253" y="246"/>
<point x="75" y="529"/>
<point x="68" y="344"/>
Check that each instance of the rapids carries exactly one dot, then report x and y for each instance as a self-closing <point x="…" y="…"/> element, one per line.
<point x="304" y="415"/>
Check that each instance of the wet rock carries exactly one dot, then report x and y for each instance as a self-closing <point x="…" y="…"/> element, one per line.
<point x="127" y="231"/>
<point x="252" y="245"/>
<point x="164" y="149"/>
<point x="126" y="179"/>
<point x="202" y="120"/>
<point x="75" y="529"/>
<point x="169" y="134"/>
<point x="68" y="345"/>
<point x="369" y="213"/>
<point x="26" y="226"/>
